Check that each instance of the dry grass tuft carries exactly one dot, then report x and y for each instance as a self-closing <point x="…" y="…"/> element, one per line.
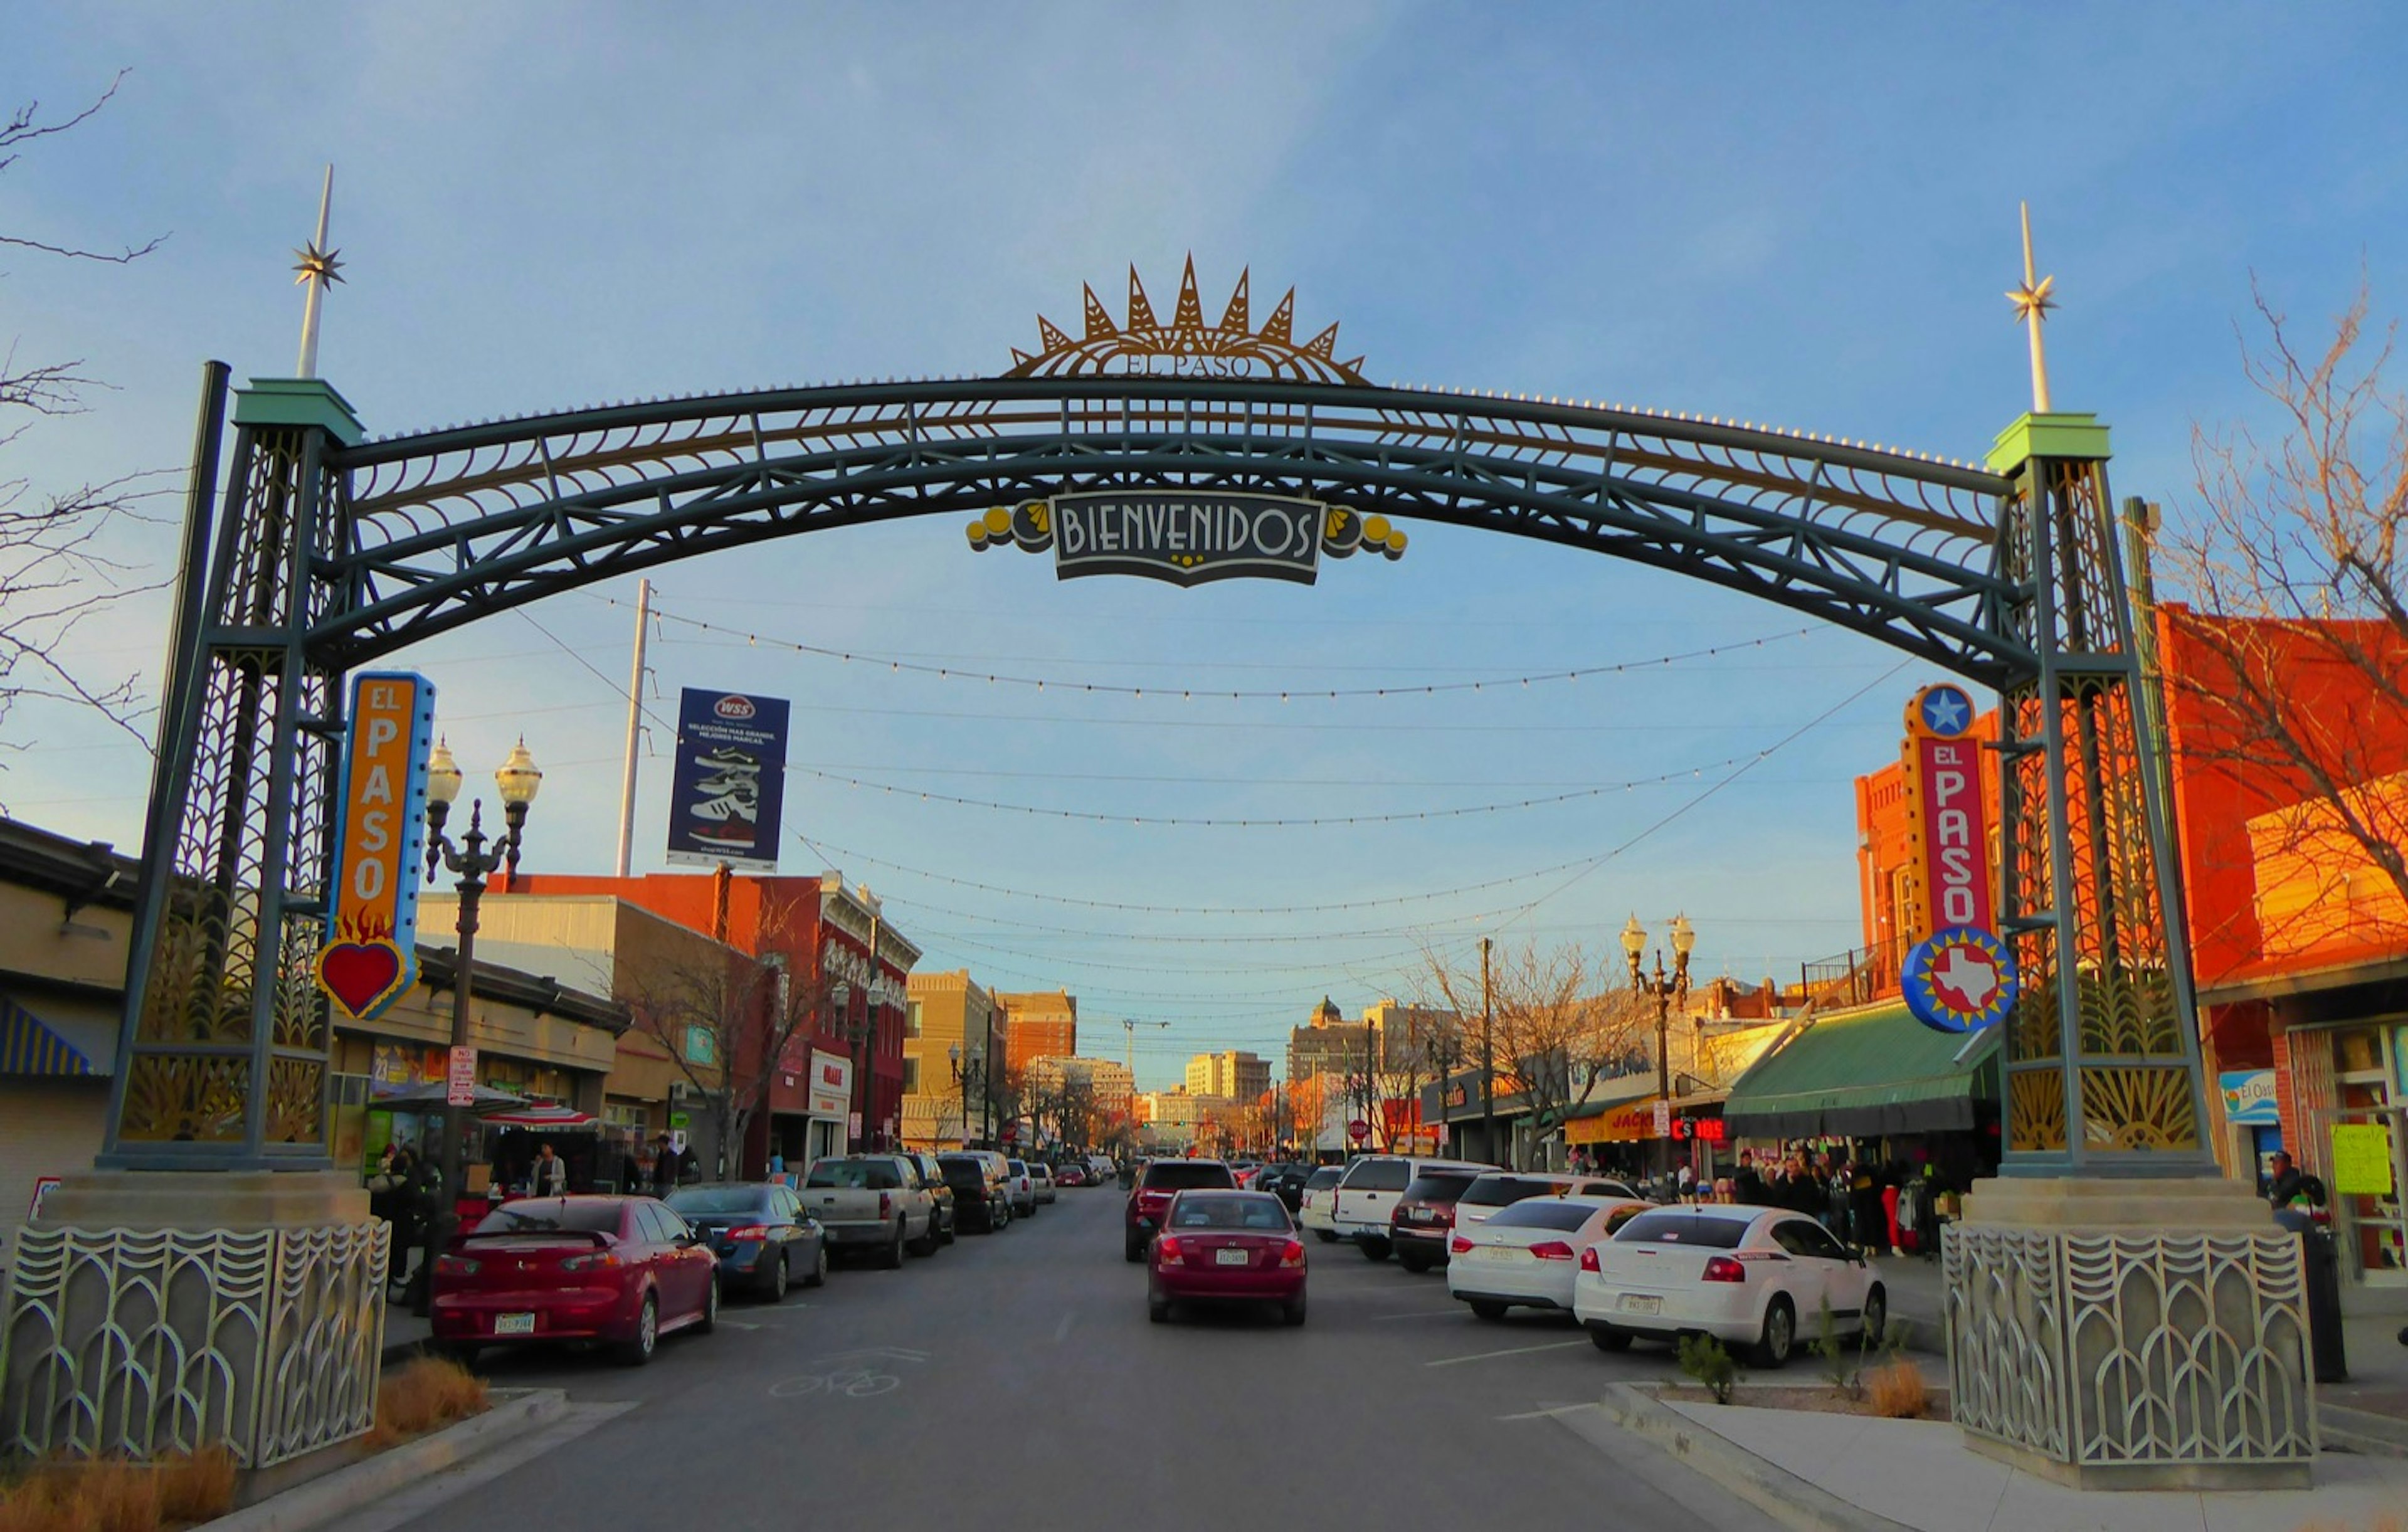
<point x="195" y="1487"/>
<point x="2388" y="1520"/>
<point x="1896" y="1391"/>
<point x="106" y="1495"/>
<point x="423" y="1395"/>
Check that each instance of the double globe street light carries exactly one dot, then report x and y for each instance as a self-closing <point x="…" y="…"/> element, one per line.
<point x="1669" y="991"/>
<point x="518" y="781"/>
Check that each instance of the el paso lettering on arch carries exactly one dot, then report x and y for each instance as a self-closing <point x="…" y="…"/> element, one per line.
<point x="1186" y="537"/>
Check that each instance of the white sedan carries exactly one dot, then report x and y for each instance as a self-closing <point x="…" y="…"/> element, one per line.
<point x="1525" y="1254"/>
<point x="1749" y="1276"/>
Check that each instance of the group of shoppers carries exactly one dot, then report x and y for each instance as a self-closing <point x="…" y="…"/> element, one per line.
<point x="1881" y="1207"/>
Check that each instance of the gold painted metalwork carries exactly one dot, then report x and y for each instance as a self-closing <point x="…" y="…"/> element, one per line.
<point x="2138" y="1108"/>
<point x="1186" y="347"/>
<point x="185" y="1098"/>
<point x="2036" y="1109"/>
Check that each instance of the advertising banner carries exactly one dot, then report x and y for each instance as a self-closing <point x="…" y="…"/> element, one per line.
<point x="369" y="958"/>
<point x="2249" y="1098"/>
<point x="730" y="779"/>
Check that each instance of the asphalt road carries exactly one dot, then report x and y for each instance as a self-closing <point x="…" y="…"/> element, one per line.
<point x="1013" y="1381"/>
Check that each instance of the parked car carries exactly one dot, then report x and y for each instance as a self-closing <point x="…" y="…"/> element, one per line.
<point x="1529" y="1254"/>
<point x="1040" y="1179"/>
<point x="1226" y="1247"/>
<point x="1071" y="1174"/>
<point x="1285" y="1181"/>
<point x="1156" y="1184"/>
<point x="925" y="1165"/>
<point x="1743" y="1274"/>
<point x="1424" y="1217"/>
<point x="625" y="1270"/>
<point x="1504" y="1188"/>
<point x="981" y="1198"/>
<point x="1316" y="1204"/>
<point x="1023" y="1189"/>
<point x="873" y="1202"/>
<point x="1368" y="1194"/>
<point x="1100" y="1170"/>
<point x="762" y="1235"/>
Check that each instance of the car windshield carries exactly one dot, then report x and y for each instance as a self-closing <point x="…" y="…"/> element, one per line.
<point x="1323" y="1178"/>
<point x="1229" y="1213"/>
<point x="1536" y="1213"/>
<point x="1019" y="1167"/>
<point x="857" y="1175"/>
<point x="962" y="1173"/>
<point x="1438" y="1187"/>
<point x="705" y="1200"/>
<point x="1677" y="1227"/>
<point x="543" y="1214"/>
<point x="1185" y="1175"/>
<point x="1501" y="1191"/>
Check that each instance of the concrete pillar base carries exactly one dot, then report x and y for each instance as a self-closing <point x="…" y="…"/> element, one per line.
<point x="151" y="1311"/>
<point x="2130" y="1334"/>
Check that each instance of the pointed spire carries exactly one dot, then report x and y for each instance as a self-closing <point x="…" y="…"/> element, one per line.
<point x="1191" y="308"/>
<point x="1050" y="335"/>
<point x="1234" y="317"/>
<point x="317" y="267"/>
<point x="2032" y="301"/>
<point x="1323" y="345"/>
<point x="1141" y="312"/>
<point x="1099" y="319"/>
<point x="1280" y="329"/>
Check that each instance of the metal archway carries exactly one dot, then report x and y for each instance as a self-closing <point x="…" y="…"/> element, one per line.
<point x="332" y="550"/>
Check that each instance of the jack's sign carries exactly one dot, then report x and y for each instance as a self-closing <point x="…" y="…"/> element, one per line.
<point x="370" y="956"/>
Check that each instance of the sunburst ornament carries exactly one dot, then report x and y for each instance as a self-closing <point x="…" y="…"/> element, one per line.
<point x="316" y="267"/>
<point x="1186" y="346"/>
<point x="310" y="264"/>
<point x="2033" y="300"/>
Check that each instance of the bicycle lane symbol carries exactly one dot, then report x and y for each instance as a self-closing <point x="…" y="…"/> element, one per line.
<point x="854" y="1375"/>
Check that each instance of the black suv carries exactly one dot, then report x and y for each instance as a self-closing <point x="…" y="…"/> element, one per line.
<point x="1424" y="1218"/>
<point x="979" y="1202"/>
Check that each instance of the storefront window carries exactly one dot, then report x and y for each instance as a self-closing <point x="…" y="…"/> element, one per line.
<point x="2367" y="1063"/>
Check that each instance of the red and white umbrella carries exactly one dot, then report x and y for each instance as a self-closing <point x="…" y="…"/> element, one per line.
<point x="547" y="1117"/>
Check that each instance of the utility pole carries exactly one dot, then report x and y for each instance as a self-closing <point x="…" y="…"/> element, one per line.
<point x="635" y="730"/>
<point x="1488" y="1058"/>
<point x="1130" y="1028"/>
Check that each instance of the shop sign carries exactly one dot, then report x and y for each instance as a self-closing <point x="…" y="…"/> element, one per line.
<point x="1951" y="856"/>
<point x="730" y="781"/>
<point x="369" y="957"/>
<point x="2249" y="1098"/>
<point x="831" y="1084"/>
<point x="1704" y="1130"/>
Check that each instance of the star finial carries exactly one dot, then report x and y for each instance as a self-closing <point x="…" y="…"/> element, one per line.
<point x="312" y="264"/>
<point x="2032" y="301"/>
<point x="316" y="269"/>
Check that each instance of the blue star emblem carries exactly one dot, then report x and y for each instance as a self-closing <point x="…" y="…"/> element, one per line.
<point x="1946" y="711"/>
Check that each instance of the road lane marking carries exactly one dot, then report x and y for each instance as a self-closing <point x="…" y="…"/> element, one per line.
<point x="1517" y="1351"/>
<point x="1062" y="1331"/>
<point x="1426" y="1313"/>
<point x="1558" y="1413"/>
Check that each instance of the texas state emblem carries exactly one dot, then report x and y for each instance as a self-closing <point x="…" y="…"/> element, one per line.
<point x="1960" y="980"/>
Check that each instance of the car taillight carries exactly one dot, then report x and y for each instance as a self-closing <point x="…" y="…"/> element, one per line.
<point x="1721" y="1268"/>
<point x="1165" y="1250"/>
<point x="885" y="1204"/>
<point x="1458" y="1245"/>
<point x="1588" y="1260"/>
<point x="1552" y="1250"/>
<point x="601" y="1260"/>
<point x="1292" y="1254"/>
<point x="1442" y="1215"/>
<point x="456" y="1266"/>
<point x="749" y="1232"/>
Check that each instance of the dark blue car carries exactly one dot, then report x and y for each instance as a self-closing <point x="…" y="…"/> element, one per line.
<point x="762" y="1235"/>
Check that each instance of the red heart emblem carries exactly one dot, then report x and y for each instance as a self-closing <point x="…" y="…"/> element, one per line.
<point x="360" y="974"/>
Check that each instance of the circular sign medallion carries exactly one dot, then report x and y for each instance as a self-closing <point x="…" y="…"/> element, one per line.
<point x="1960" y="980"/>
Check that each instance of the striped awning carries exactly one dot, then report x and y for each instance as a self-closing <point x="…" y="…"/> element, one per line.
<point x="29" y="1047"/>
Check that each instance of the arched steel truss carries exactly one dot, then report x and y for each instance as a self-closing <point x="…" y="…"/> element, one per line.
<point x="448" y="527"/>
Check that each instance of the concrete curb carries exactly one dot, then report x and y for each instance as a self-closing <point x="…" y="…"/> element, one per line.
<point x="2342" y="1428"/>
<point x="323" y="1499"/>
<point x="1773" y="1490"/>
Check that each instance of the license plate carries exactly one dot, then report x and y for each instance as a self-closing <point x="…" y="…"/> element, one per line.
<point x="1421" y="1215"/>
<point x="514" y="1325"/>
<point x="1638" y="1303"/>
<point x="1231" y="1257"/>
<point x="1494" y="1252"/>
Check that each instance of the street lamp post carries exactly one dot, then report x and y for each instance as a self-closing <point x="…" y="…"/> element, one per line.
<point x="517" y="781"/>
<point x="962" y="1071"/>
<point x="1668" y="991"/>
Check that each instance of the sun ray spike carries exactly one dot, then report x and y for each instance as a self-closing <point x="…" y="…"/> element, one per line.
<point x="1234" y="318"/>
<point x="1140" y="308"/>
<point x="1323" y="345"/>
<point x="1050" y="335"/>
<point x="1191" y="308"/>
<point x="1099" y="319"/>
<point x="1280" y="329"/>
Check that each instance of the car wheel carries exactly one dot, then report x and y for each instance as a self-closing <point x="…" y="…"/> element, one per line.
<point x="637" y="1350"/>
<point x="1876" y="1318"/>
<point x="774" y="1290"/>
<point x="1374" y="1250"/>
<point x="1132" y="1250"/>
<point x="952" y="1228"/>
<point x="1157" y="1310"/>
<point x="1291" y="1312"/>
<point x="1328" y="1237"/>
<point x="709" y="1320"/>
<point x="1414" y="1261"/>
<point x="929" y="1243"/>
<point x="1780" y="1334"/>
<point x="892" y="1258"/>
<point x="1487" y="1308"/>
<point x="1608" y="1338"/>
<point x="819" y="1268"/>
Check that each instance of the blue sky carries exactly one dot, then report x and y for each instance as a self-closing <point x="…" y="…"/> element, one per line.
<point x="1802" y="216"/>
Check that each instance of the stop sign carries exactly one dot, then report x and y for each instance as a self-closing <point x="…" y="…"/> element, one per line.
<point x="1358" y="1130"/>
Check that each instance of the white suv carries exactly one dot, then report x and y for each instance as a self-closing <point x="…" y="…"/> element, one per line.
<point x="1503" y="1188"/>
<point x="1369" y="1192"/>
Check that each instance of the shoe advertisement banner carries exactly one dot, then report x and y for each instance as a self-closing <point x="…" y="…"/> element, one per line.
<point x="731" y="775"/>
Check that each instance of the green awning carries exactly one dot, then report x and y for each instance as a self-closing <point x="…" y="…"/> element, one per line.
<point x="1864" y="1074"/>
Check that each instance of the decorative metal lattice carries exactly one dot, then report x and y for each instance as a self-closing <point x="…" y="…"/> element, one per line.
<point x="2109" y="1351"/>
<point x="141" y="1342"/>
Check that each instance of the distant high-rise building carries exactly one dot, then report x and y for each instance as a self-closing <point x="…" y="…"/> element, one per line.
<point x="1043" y="1023"/>
<point x="1329" y="1045"/>
<point x="1412" y="1036"/>
<point x="1237" y="1075"/>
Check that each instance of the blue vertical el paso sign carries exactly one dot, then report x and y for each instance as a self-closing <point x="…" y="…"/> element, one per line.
<point x="730" y="779"/>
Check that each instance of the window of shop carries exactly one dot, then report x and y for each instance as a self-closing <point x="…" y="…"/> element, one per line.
<point x="2370" y="1066"/>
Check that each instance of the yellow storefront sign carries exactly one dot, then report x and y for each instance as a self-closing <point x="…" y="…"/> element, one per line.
<point x="2361" y="1160"/>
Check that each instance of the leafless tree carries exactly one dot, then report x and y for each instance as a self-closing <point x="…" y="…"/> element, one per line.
<point x="54" y="572"/>
<point x="2295" y="560"/>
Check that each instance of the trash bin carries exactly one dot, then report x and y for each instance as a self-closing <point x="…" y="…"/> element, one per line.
<point x="2320" y="1261"/>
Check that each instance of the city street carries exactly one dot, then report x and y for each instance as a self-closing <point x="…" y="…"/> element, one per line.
<point x="1028" y="1391"/>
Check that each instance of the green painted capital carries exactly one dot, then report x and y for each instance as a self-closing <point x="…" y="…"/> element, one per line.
<point x="2057" y="434"/>
<point x="298" y="401"/>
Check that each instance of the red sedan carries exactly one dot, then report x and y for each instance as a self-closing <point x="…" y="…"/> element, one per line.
<point x="622" y="1269"/>
<point x="1226" y="1247"/>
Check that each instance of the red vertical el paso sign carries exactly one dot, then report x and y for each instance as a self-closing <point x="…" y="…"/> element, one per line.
<point x="1944" y="762"/>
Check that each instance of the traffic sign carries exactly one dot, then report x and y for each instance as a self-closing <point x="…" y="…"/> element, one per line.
<point x="1663" y="1119"/>
<point x="1358" y="1130"/>
<point x="460" y="1081"/>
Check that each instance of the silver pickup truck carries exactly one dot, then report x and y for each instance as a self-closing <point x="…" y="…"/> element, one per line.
<point x="873" y="1202"/>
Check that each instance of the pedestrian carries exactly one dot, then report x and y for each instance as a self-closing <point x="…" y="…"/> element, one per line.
<point x="1747" y="1187"/>
<point x="551" y="1173"/>
<point x="1688" y="1182"/>
<point x="1865" y="1216"/>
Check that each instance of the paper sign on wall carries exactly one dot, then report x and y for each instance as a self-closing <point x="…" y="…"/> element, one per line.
<point x="2361" y="1160"/>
